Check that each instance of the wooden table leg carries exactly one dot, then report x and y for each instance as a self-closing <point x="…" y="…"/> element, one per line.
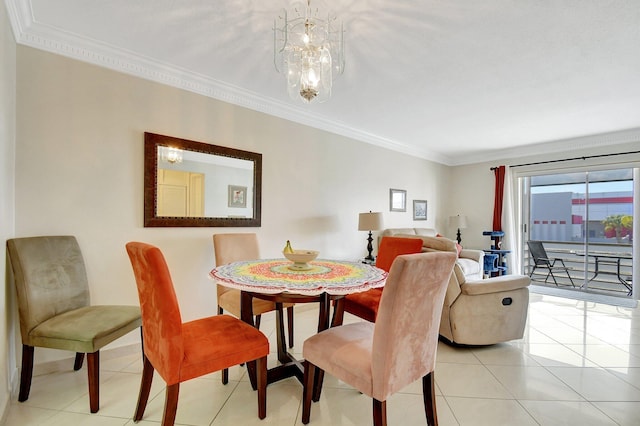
<point x="323" y="324"/>
<point x="338" y="312"/>
<point x="246" y="314"/>
<point x="280" y="338"/>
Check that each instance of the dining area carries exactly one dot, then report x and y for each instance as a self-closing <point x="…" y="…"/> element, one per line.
<point x="378" y="359"/>
<point x="498" y="384"/>
<point x="362" y="336"/>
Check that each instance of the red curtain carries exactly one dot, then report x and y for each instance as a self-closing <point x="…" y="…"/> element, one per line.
<point x="497" y="204"/>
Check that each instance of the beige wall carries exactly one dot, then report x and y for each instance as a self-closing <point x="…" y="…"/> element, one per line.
<point x="7" y="150"/>
<point x="79" y="170"/>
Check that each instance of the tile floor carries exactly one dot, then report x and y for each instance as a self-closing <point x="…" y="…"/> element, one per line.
<point x="579" y="364"/>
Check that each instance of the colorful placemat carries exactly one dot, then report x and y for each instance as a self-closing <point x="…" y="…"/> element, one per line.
<point x="274" y="276"/>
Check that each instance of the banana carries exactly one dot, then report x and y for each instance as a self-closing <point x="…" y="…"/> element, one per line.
<point x="287" y="248"/>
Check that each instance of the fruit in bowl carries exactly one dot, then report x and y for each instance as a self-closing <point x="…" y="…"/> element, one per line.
<point x="301" y="258"/>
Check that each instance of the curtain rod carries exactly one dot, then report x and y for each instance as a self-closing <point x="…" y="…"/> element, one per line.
<point x="571" y="159"/>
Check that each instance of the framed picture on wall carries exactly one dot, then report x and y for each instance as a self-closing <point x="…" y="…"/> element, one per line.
<point x="419" y="209"/>
<point x="397" y="200"/>
<point x="237" y="196"/>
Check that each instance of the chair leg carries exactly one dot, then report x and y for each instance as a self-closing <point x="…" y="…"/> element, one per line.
<point x="379" y="413"/>
<point x="309" y="374"/>
<point x="290" y="325"/>
<point x="429" y="395"/>
<point x="317" y="387"/>
<point x="26" y="373"/>
<point x="567" y="271"/>
<point x="258" y="317"/>
<point x="171" y="405"/>
<point x="93" y="369"/>
<point x="77" y="364"/>
<point x="145" y="389"/>
<point x="142" y="344"/>
<point x="225" y="372"/>
<point x="261" y="367"/>
<point x="570" y="279"/>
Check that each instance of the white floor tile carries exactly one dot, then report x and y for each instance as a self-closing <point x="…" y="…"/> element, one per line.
<point x="596" y="384"/>
<point x="489" y="412"/>
<point x="556" y="413"/>
<point x="577" y="364"/>
<point x="624" y="413"/>
<point x="533" y="383"/>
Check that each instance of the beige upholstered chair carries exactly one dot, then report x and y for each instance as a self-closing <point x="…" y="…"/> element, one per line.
<point x="236" y="247"/>
<point x="53" y="302"/>
<point x="381" y="358"/>
<point x="484" y="312"/>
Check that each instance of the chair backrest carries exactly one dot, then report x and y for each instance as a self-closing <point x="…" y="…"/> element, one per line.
<point x="537" y="251"/>
<point x="161" y="319"/>
<point x="406" y="330"/>
<point x="392" y="247"/>
<point x="50" y="278"/>
<point x="235" y="247"/>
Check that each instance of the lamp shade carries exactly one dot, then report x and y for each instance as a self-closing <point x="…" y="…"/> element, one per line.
<point x="371" y="221"/>
<point x="459" y="221"/>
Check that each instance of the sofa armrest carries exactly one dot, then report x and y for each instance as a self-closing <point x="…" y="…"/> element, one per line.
<point x="495" y="285"/>
<point x="477" y="255"/>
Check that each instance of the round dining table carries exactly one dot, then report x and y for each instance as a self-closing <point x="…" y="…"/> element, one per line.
<point x="279" y="281"/>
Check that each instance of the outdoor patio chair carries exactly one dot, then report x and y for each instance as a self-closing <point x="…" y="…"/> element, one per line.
<point x="542" y="260"/>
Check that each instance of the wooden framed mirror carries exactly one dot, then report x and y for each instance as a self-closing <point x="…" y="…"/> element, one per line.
<point x="190" y="184"/>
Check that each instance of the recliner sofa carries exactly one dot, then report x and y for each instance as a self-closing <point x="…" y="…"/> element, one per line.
<point x="476" y="311"/>
<point x="484" y="312"/>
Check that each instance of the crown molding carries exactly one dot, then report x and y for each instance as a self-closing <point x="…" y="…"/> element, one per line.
<point x="549" y="147"/>
<point x="29" y="32"/>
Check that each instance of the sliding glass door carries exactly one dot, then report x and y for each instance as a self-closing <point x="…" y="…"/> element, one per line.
<point x="584" y="221"/>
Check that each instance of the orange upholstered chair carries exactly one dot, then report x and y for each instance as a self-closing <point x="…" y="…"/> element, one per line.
<point x="181" y="351"/>
<point x="365" y="304"/>
<point x="381" y="358"/>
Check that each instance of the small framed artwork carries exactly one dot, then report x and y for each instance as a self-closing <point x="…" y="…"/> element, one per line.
<point x="237" y="196"/>
<point x="419" y="209"/>
<point x="397" y="200"/>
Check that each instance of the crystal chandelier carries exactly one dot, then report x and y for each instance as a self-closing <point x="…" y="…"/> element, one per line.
<point x="309" y="51"/>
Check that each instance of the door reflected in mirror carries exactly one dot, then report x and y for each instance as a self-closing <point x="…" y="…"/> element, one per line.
<point x="190" y="183"/>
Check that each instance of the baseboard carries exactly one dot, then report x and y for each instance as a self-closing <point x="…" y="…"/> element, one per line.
<point x="65" y="363"/>
<point x="5" y="410"/>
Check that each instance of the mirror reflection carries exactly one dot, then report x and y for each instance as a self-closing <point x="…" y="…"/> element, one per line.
<point x="190" y="183"/>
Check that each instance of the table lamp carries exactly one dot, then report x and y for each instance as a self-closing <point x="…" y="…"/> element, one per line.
<point x="371" y="221"/>
<point x="460" y="222"/>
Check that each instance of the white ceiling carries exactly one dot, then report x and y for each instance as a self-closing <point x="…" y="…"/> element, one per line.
<point x="452" y="81"/>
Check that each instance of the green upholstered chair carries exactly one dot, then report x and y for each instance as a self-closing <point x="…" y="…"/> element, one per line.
<point x="53" y="302"/>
